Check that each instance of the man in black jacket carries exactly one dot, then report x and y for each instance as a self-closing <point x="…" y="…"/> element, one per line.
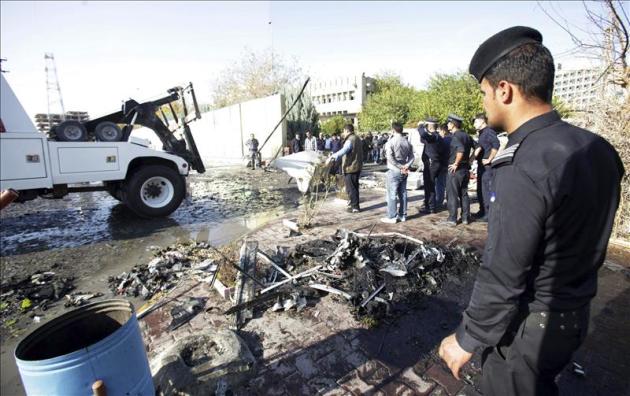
<point x="458" y="171"/>
<point x="431" y="161"/>
<point x="555" y="193"/>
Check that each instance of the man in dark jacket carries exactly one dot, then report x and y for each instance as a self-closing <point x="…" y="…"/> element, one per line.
<point x="458" y="171"/>
<point x="555" y="194"/>
<point x="351" y="155"/>
<point x="296" y="144"/>
<point x="431" y="160"/>
<point x="486" y="150"/>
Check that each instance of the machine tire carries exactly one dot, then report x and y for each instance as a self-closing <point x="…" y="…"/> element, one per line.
<point x="71" y="131"/>
<point x="154" y="191"/>
<point x="108" y="131"/>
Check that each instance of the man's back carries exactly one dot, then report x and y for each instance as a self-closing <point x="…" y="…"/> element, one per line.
<point x="575" y="177"/>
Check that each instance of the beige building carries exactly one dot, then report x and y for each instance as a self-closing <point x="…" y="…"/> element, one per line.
<point x="344" y="96"/>
<point x="577" y="88"/>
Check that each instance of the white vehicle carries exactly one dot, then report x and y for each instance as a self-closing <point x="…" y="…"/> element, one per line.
<point x="150" y="182"/>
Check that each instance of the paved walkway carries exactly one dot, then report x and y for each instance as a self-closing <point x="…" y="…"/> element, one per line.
<point x="323" y="350"/>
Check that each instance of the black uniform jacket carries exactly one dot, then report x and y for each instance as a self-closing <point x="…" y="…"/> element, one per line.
<point x="556" y="191"/>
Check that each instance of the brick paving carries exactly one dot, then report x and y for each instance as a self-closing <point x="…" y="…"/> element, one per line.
<point x="323" y="350"/>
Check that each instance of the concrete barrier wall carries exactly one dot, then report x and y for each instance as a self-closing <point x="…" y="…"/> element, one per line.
<point x="221" y="134"/>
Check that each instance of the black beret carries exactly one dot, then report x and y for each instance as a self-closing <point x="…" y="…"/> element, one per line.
<point x="432" y="120"/>
<point x="454" y="118"/>
<point x="499" y="45"/>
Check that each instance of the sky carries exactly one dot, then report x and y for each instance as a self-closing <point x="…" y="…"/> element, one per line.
<point x="107" y="52"/>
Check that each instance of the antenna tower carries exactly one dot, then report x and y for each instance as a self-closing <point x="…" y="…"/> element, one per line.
<point x="53" y="91"/>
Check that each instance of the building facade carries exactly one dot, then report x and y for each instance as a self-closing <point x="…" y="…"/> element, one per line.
<point x="577" y="88"/>
<point x="344" y="96"/>
<point x="44" y="122"/>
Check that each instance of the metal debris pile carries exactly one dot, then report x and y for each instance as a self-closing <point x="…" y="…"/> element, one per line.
<point x="370" y="273"/>
<point x="165" y="270"/>
<point x="31" y="294"/>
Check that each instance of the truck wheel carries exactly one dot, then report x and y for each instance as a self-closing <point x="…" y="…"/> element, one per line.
<point x="154" y="191"/>
<point x="71" y="131"/>
<point x="107" y="131"/>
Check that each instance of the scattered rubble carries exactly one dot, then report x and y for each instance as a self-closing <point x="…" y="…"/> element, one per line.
<point x="31" y="294"/>
<point x="371" y="273"/>
<point x="164" y="271"/>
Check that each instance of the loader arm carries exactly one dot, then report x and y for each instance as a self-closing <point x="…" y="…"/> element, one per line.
<point x="146" y="114"/>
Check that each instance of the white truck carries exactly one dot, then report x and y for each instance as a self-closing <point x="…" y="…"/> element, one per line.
<point x="101" y="155"/>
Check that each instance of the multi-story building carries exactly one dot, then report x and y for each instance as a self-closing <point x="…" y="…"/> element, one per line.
<point x="577" y="88"/>
<point x="44" y="122"/>
<point x="343" y="96"/>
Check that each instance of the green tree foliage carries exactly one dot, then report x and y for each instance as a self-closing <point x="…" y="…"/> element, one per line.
<point x="450" y="93"/>
<point x="303" y="116"/>
<point x="563" y="110"/>
<point x="446" y="93"/>
<point x="391" y="101"/>
<point x="333" y="125"/>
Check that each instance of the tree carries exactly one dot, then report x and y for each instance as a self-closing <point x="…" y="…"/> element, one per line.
<point x="303" y="116"/>
<point x="391" y="101"/>
<point x="450" y="94"/>
<point x="333" y="125"/>
<point x="255" y="75"/>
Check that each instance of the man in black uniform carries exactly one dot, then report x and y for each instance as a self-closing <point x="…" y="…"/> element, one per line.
<point x="486" y="150"/>
<point x="555" y="193"/>
<point x="252" y="145"/>
<point x="458" y="171"/>
<point x="431" y="160"/>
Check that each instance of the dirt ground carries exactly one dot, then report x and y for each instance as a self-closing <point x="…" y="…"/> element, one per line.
<point x="92" y="236"/>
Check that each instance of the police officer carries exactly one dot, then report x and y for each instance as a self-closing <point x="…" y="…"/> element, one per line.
<point x="556" y="190"/>
<point x="431" y="160"/>
<point x="458" y="171"/>
<point x="486" y="150"/>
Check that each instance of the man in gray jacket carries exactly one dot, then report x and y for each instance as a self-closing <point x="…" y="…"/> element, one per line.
<point x="399" y="154"/>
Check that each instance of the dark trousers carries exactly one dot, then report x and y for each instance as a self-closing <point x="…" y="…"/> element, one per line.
<point x="457" y="194"/>
<point x="481" y="170"/>
<point x="429" y="175"/>
<point x="532" y="353"/>
<point x="352" y="188"/>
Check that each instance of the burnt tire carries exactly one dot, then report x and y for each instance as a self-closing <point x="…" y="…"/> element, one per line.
<point x="154" y="191"/>
<point x="71" y="131"/>
<point x="107" y="131"/>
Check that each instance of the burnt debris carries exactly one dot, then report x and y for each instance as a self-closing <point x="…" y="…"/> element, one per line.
<point x="165" y="270"/>
<point x="370" y="273"/>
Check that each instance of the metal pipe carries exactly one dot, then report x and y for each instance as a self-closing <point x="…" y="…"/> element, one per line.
<point x="300" y="275"/>
<point x="274" y="265"/>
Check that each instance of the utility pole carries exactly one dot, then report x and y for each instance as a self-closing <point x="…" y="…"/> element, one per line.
<point x="52" y="86"/>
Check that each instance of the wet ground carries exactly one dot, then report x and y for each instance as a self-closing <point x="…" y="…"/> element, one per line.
<point x="91" y="236"/>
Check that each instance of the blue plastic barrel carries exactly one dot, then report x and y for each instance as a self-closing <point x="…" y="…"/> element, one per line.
<point x="99" y="341"/>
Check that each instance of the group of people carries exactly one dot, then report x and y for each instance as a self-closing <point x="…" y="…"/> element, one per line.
<point x="550" y="198"/>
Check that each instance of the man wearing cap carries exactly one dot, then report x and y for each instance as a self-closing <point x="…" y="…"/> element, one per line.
<point x="351" y="155"/>
<point x="486" y="150"/>
<point x="440" y="182"/>
<point x="555" y="193"/>
<point x="431" y="160"/>
<point x="458" y="171"/>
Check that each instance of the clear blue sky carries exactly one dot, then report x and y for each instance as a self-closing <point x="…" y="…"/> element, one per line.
<point x="110" y="51"/>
